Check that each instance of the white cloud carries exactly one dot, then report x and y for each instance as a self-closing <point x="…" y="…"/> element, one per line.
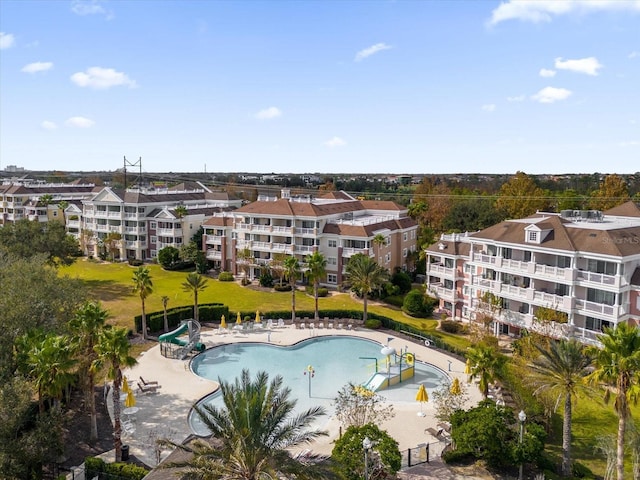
<point x="268" y="113"/>
<point x="537" y="11"/>
<point x="551" y="95"/>
<point x="546" y="73"/>
<point x="91" y="7"/>
<point x="47" y="125"/>
<point x="589" y="65"/>
<point x="632" y="143"/>
<point x="490" y="107"/>
<point x="335" y="142"/>
<point x="633" y="55"/>
<point x="102" y="78"/>
<point x="79" y="122"/>
<point x="517" y="98"/>
<point x="373" y="49"/>
<point x="7" y="40"/>
<point x="36" y="67"/>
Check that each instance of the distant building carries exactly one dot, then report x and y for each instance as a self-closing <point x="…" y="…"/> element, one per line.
<point x="582" y="265"/>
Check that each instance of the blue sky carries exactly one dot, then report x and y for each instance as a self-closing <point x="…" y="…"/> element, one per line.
<point x="543" y="86"/>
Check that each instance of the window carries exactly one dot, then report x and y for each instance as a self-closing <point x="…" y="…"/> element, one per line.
<point x="507" y="253"/>
<point x="595" y="324"/>
<point x="154" y="253"/>
<point x="600" y="266"/>
<point x="153" y="225"/>
<point x="533" y="236"/>
<point x="404" y="252"/>
<point x="563" y="262"/>
<point x="154" y="240"/>
<point x="600" y="296"/>
<point x="413" y="234"/>
<point x="332" y="261"/>
<point x="332" y="278"/>
<point x="332" y="243"/>
<point x="387" y="258"/>
<point x="404" y="236"/>
<point x="527" y="256"/>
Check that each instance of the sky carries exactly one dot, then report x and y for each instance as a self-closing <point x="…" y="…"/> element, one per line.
<point x="332" y="86"/>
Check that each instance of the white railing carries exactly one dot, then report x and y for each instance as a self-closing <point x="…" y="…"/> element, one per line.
<point x="441" y="269"/>
<point x="243" y="226"/>
<point x="261" y="245"/>
<point x="100" y="213"/>
<point x="214" y="255"/>
<point x="115" y="229"/>
<point x="261" y="228"/>
<point x="214" y="240"/>
<point x="519" y="265"/>
<point x="548" y="299"/>
<point x="281" y="229"/>
<point x="168" y="232"/>
<point x="114" y="214"/>
<point x="282" y="247"/>
<point x="305" y="231"/>
<point x="349" y="252"/>
<point x="486" y="283"/>
<point x="549" y="271"/>
<point x="597" y="308"/>
<point x="442" y="292"/>
<point x="304" y="248"/>
<point x="131" y="214"/>
<point x="596" y="277"/>
<point x="514" y="291"/>
<point x="73" y="223"/>
<point x="482" y="258"/>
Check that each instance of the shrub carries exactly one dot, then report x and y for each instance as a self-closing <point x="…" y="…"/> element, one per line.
<point x="282" y="288"/>
<point x="414" y="304"/>
<point x="225" y="277"/>
<point x="457" y="456"/>
<point x="402" y="280"/>
<point x="134" y="262"/>
<point x="395" y="300"/>
<point x="245" y="281"/>
<point x="450" y="326"/>
<point x="168" y="256"/>
<point x="323" y="292"/>
<point x="96" y="467"/>
<point x="580" y="470"/>
<point x="266" y="280"/>
<point x="373" y="323"/>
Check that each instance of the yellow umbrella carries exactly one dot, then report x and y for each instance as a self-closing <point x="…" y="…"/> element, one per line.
<point x="467" y="367"/>
<point x="130" y="401"/>
<point x="258" y="316"/>
<point x="455" y="387"/>
<point x="125" y="386"/>
<point x="422" y="397"/>
<point x="223" y="322"/>
<point x="238" y="319"/>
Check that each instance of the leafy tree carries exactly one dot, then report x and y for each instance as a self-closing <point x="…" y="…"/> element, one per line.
<point x="521" y="197"/>
<point x="416" y="305"/>
<point x="25" y="239"/>
<point x="317" y="264"/>
<point x="257" y="431"/>
<point x="168" y="256"/>
<point x="244" y="260"/>
<point x="113" y="351"/>
<point x="194" y="283"/>
<point x="383" y="461"/>
<point x="365" y="276"/>
<point x="292" y="271"/>
<point x="276" y="265"/>
<point x="617" y="367"/>
<point x="613" y="191"/>
<point x="436" y="197"/>
<point x="356" y="406"/>
<point x="112" y="243"/>
<point x="487" y="364"/>
<point x="472" y="215"/>
<point x="143" y="286"/>
<point x="180" y="211"/>
<point x="560" y="370"/>
<point x="85" y="328"/>
<point x="446" y="402"/>
<point x="402" y="280"/>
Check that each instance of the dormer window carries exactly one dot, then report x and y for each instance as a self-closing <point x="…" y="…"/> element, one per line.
<point x="533" y="237"/>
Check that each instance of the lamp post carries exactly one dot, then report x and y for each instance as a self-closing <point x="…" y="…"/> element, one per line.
<point x="522" y="417"/>
<point x="309" y="370"/>
<point x="366" y="445"/>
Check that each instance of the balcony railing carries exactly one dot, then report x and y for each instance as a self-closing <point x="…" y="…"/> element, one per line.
<point x="213" y="240"/>
<point x="597" y="308"/>
<point x="281" y="229"/>
<point x="440" y="269"/>
<point x="349" y="252"/>
<point x="214" y="255"/>
<point x="596" y="277"/>
<point x="483" y="258"/>
<point x="305" y="231"/>
<point x="549" y="271"/>
<point x="169" y="232"/>
<point x="282" y="247"/>
<point x="442" y="292"/>
<point x="304" y="248"/>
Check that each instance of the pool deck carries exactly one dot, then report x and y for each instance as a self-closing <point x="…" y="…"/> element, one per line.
<point x="164" y="414"/>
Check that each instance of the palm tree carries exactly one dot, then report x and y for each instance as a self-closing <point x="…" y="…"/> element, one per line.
<point x="617" y="367"/>
<point x="378" y="241"/>
<point x="292" y="272"/>
<point x="165" y="301"/>
<point x="113" y="350"/>
<point x="317" y="264"/>
<point x="365" y="276"/>
<point x="486" y="364"/>
<point x="86" y="327"/>
<point x="143" y="285"/>
<point x="244" y="259"/>
<point x="560" y="369"/>
<point x="194" y="283"/>
<point x="256" y="431"/>
<point x="180" y="211"/>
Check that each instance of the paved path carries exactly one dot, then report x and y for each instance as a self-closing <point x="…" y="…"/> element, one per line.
<point x="164" y="414"/>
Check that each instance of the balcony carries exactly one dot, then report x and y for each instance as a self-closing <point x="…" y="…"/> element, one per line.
<point x="304" y="249"/>
<point x="211" y="240"/>
<point x="100" y="214"/>
<point x="73" y="223"/>
<point x="262" y="246"/>
<point x="483" y="258"/>
<point x="441" y="270"/>
<point x="350" y="252"/>
<point x="517" y="319"/>
<point x="134" y="229"/>
<point x="305" y="231"/>
<point x="598" y="278"/>
<point x="588" y="308"/>
<point x="553" y="272"/>
<point x="214" y="255"/>
<point x="519" y="293"/>
<point x="282" y="229"/>
<point x="169" y="232"/>
<point x="442" y="292"/>
<point x="282" y="247"/>
<point x="553" y="301"/>
<point x="487" y="284"/>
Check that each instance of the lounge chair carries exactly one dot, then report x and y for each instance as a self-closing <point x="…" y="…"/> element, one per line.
<point x="312" y="325"/>
<point x="148" y="382"/>
<point x="148" y="388"/>
<point x="302" y="325"/>
<point x="321" y="324"/>
<point x="329" y="324"/>
<point x="339" y="326"/>
<point x="281" y="323"/>
<point x="128" y="428"/>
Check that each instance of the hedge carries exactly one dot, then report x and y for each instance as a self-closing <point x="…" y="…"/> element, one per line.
<point x="109" y="471"/>
<point x="207" y="312"/>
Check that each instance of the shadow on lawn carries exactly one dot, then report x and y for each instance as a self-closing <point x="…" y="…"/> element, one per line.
<point x="107" y="290"/>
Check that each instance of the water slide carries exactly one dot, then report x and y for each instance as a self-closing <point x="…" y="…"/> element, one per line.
<point x="172" y="337"/>
<point x="376" y="381"/>
<point x="191" y="343"/>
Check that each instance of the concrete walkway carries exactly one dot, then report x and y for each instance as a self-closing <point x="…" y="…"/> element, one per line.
<point x="164" y="414"/>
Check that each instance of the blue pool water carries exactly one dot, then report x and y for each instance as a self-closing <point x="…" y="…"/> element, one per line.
<point x="336" y="361"/>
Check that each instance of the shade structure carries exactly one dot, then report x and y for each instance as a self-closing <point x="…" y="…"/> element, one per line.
<point x="223" y="322"/>
<point x="238" y="319"/>
<point x="455" y="387"/>
<point x="130" y="401"/>
<point x="258" y="316"/>
<point x="422" y="397"/>
<point x="125" y="386"/>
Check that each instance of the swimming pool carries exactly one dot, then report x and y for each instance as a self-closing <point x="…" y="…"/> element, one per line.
<point x="336" y="360"/>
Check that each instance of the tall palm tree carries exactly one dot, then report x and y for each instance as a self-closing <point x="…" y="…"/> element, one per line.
<point x="143" y="286"/>
<point x="257" y="430"/>
<point x="365" y="276"/>
<point x="378" y="241"/>
<point x="317" y="264"/>
<point x="165" y="301"/>
<point x="617" y="367"/>
<point x="86" y="327"/>
<point x="292" y="272"/>
<point x="486" y="364"/>
<point x="113" y="353"/>
<point x="560" y="369"/>
<point x="194" y="283"/>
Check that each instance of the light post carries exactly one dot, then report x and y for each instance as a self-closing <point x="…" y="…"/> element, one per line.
<point x="366" y="445"/>
<point x="309" y="370"/>
<point x="522" y="417"/>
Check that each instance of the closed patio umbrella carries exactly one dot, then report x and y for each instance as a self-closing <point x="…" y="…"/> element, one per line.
<point x="455" y="387"/>
<point x="422" y="397"/>
<point x="238" y="319"/>
<point x="223" y="322"/>
<point x="258" y="316"/>
<point x="125" y="386"/>
<point x="130" y="401"/>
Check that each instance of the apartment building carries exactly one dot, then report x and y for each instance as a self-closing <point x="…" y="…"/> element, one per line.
<point x="335" y="224"/>
<point x="146" y="221"/>
<point x="582" y="266"/>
